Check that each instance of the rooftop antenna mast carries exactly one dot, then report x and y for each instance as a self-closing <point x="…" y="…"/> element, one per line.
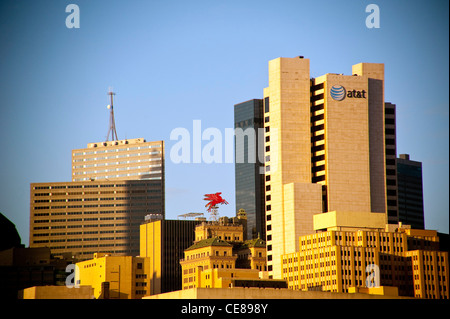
<point x="112" y="124"/>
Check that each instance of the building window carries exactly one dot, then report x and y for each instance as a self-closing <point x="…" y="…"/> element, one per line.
<point x="266" y="104"/>
<point x="139" y="266"/>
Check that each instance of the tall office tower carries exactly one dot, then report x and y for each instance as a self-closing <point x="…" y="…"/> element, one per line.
<point x="391" y="163"/>
<point x="410" y="192"/>
<point x="164" y="241"/>
<point x="83" y="218"/>
<point x="325" y="149"/>
<point x="291" y="197"/>
<point x="249" y="168"/>
<point x="114" y="186"/>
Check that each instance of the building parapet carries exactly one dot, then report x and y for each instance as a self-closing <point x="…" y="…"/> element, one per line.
<point x="114" y="143"/>
<point x="338" y="220"/>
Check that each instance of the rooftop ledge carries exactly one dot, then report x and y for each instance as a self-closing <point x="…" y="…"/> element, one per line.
<point x="119" y="142"/>
<point x="336" y="220"/>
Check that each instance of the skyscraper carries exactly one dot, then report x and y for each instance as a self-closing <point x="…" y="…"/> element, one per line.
<point x="83" y="218"/>
<point x="325" y="148"/>
<point x="114" y="186"/>
<point x="410" y="192"/>
<point x="391" y="162"/>
<point x="249" y="169"/>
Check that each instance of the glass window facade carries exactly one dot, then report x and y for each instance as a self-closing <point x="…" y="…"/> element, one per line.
<point x="410" y="193"/>
<point x="248" y="177"/>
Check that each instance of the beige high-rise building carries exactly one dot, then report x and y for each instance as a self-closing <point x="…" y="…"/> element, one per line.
<point x="114" y="186"/>
<point x="325" y="149"/>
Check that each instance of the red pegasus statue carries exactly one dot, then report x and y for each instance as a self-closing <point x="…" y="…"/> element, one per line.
<point x="214" y="199"/>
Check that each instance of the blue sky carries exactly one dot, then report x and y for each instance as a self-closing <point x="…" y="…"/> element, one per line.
<point x="172" y="62"/>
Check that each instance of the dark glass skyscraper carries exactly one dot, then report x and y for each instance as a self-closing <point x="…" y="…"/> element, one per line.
<point x="248" y="116"/>
<point x="390" y="144"/>
<point x="410" y="192"/>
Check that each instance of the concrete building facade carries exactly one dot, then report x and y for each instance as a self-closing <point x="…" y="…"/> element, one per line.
<point x="83" y="218"/>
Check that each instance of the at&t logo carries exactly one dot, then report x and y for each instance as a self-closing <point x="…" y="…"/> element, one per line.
<point x="338" y="93"/>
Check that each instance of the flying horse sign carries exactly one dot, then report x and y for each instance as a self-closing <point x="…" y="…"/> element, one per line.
<point x="213" y="201"/>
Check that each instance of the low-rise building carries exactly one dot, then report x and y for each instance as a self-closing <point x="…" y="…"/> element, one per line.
<point x="58" y="292"/>
<point x="342" y="257"/>
<point x="220" y="258"/>
<point x="164" y="242"/>
<point x="240" y="293"/>
<point x="22" y="267"/>
<point x="115" y="277"/>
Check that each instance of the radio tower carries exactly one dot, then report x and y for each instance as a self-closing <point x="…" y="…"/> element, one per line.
<point x="112" y="125"/>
